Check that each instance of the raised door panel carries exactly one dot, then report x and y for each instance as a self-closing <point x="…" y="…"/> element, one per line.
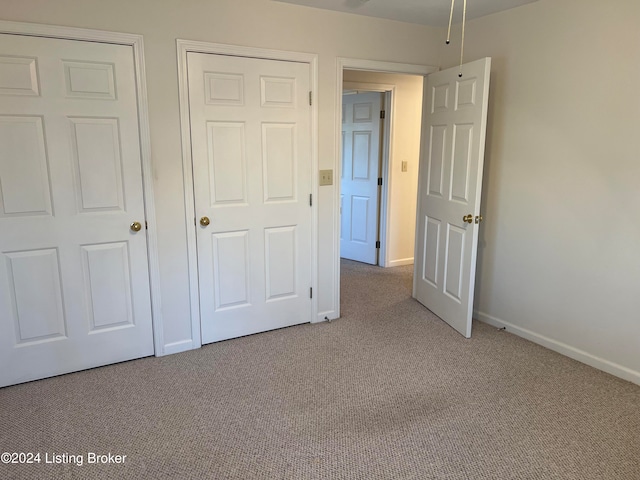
<point x="431" y="251"/>
<point x="24" y="170"/>
<point x="359" y="219"/>
<point x="280" y="262"/>
<point x="361" y="155"/>
<point x="19" y="75"/>
<point x="436" y="160"/>
<point x="231" y="270"/>
<point x="454" y="262"/>
<point x="227" y="163"/>
<point x="223" y="89"/>
<point x="36" y="292"/>
<point x="440" y="98"/>
<point x="278" y="92"/>
<point x="461" y="162"/>
<point x="466" y="93"/>
<point x="363" y="112"/>
<point x="107" y="276"/>
<point x="90" y="80"/>
<point x="97" y="159"/>
<point x="279" y="162"/>
<point x="343" y="218"/>
<point x="345" y="151"/>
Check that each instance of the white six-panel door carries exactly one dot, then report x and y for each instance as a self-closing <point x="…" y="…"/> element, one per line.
<point x="251" y="147"/>
<point x="449" y="190"/>
<point x="359" y="190"/>
<point x="74" y="285"/>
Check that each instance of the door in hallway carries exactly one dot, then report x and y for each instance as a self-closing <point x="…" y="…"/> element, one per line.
<point x="359" y="188"/>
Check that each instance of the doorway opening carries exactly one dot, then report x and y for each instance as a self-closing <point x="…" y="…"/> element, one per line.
<point x="450" y="187"/>
<point x="399" y="88"/>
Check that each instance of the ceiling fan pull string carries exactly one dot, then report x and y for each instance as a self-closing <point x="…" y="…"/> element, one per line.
<point x="464" y="21"/>
<point x="450" y="21"/>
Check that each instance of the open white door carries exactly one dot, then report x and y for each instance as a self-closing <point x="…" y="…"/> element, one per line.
<point x="359" y="186"/>
<point x="449" y="190"/>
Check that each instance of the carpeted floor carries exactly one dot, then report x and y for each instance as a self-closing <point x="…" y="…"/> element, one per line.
<point x="386" y="392"/>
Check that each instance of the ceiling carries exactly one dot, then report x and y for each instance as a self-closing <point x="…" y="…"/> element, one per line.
<point x="425" y="12"/>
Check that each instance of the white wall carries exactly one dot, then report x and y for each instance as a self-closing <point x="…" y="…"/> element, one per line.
<point x="559" y="258"/>
<point x="405" y="146"/>
<point x="257" y="23"/>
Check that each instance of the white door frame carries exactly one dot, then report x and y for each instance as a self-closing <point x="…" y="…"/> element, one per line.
<point x="344" y="63"/>
<point x="387" y="127"/>
<point x="183" y="47"/>
<point x="134" y="41"/>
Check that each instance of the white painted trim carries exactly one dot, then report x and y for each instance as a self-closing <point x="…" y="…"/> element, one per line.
<point x="189" y="199"/>
<point x="367" y="87"/>
<point x="69" y="33"/>
<point x="343" y="63"/>
<point x="387" y="156"/>
<point x="184" y="46"/>
<point x="136" y="42"/>
<point x="400" y="262"/>
<point x="562" y="348"/>
<point x="315" y="184"/>
<point x="387" y="67"/>
<point x="149" y="200"/>
<point x="178" y="347"/>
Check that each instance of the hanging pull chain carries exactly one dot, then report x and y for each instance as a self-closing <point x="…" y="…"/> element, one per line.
<point x="464" y="22"/>
<point x="450" y="21"/>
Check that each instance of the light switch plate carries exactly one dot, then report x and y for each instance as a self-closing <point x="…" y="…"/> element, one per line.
<point x="326" y="177"/>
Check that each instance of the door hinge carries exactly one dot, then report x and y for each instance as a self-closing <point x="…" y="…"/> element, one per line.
<point x="382" y="114"/>
<point x="311" y="199"/>
<point x="378" y="244"/>
<point x="310" y="98"/>
<point x="311" y="292"/>
<point x="380" y="181"/>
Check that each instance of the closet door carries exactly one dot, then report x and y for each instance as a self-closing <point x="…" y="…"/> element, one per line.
<point x="251" y="146"/>
<point x="74" y="279"/>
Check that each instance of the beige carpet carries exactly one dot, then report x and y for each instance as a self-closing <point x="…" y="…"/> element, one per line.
<point x="387" y="392"/>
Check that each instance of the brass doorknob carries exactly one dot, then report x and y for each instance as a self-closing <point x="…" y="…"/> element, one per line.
<point x="478" y="218"/>
<point x="468" y="218"/>
<point x="136" y="226"/>
<point x="204" y="221"/>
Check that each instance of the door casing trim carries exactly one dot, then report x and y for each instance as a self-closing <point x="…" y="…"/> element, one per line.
<point x="136" y="43"/>
<point x="183" y="47"/>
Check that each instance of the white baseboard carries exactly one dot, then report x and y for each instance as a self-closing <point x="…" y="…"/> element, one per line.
<point x="400" y="262"/>
<point x="177" y="347"/>
<point x="567" y="350"/>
